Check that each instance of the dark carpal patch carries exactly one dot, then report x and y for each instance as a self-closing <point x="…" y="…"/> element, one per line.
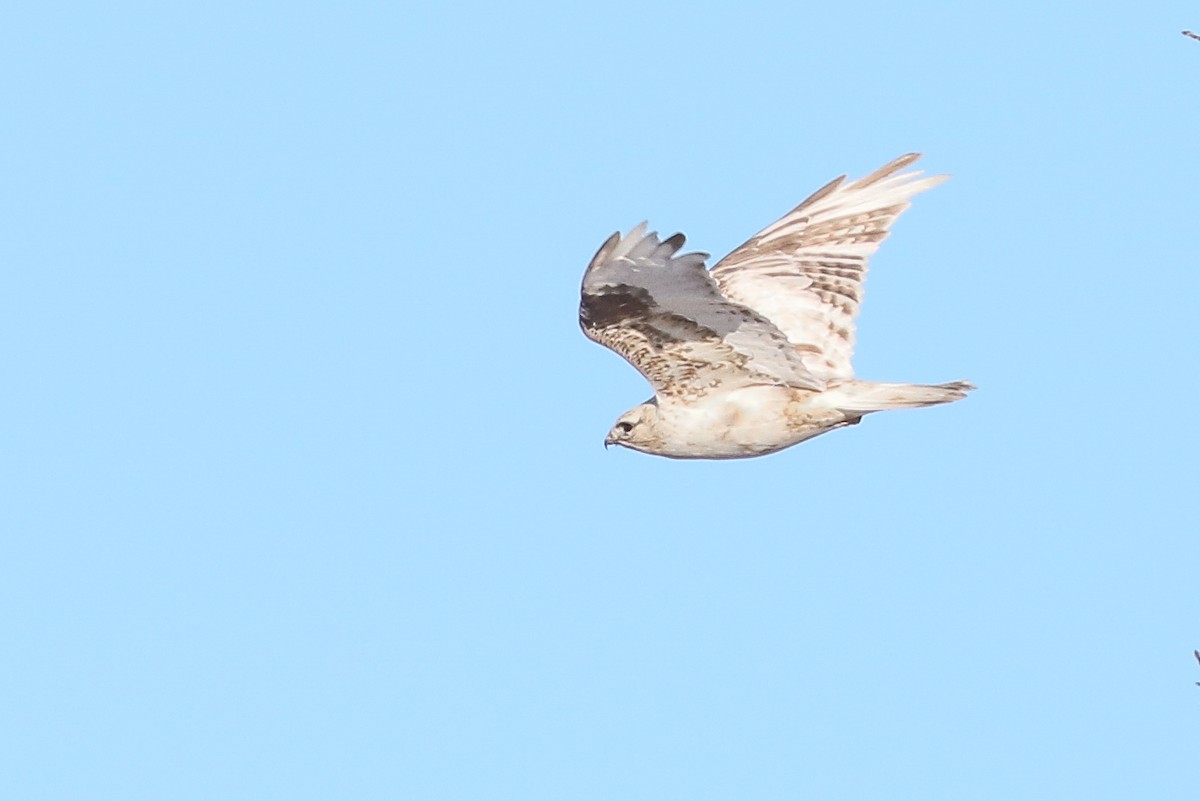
<point x="613" y="305"/>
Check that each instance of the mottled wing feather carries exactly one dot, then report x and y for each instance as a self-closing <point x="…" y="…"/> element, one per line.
<point x="662" y="311"/>
<point x="805" y="272"/>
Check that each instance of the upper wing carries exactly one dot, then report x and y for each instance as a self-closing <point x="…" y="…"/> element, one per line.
<point x="805" y="272"/>
<point x="664" y="314"/>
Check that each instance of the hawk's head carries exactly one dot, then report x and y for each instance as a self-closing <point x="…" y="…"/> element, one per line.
<point x="637" y="429"/>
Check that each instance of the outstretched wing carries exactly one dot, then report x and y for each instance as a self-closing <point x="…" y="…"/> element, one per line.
<point x="663" y="313"/>
<point x="805" y="272"/>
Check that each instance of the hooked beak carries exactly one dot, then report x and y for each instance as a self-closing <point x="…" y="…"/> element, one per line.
<point x="609" y="441"/>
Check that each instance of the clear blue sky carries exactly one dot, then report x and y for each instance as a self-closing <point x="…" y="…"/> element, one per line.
<point x="304" y="495"/>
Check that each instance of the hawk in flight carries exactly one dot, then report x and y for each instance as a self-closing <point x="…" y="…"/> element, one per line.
<point x="752" y="356"/>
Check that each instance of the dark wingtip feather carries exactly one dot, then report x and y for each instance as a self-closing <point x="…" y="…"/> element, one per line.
<point x="675" y="242"/>
<point x="605" y="249"/>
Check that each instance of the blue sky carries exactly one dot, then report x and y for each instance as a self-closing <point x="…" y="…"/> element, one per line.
<point x="305" y="496"/>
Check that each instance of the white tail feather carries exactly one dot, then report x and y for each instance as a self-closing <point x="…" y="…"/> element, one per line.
<point x="869" y="396"/>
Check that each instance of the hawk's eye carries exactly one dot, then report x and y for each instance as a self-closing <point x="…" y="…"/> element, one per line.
<point x="624" y="427"/>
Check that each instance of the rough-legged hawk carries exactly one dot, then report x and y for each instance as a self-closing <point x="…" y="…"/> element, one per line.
<point x="754" y="355"/>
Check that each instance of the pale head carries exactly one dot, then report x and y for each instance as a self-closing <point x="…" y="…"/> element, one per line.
<point x="637" y="429"/>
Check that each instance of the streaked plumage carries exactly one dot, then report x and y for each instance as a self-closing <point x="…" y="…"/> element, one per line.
<point x="754" y="355"/>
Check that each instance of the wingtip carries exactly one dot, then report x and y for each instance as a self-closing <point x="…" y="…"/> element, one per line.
<point x="605" y="250"/>
<point x="675" y="242"/>
<point x="622" y="245"/>
<point x="888" y="172"/>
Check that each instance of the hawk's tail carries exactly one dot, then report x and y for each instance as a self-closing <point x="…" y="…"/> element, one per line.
<point x="869" y="396"/>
